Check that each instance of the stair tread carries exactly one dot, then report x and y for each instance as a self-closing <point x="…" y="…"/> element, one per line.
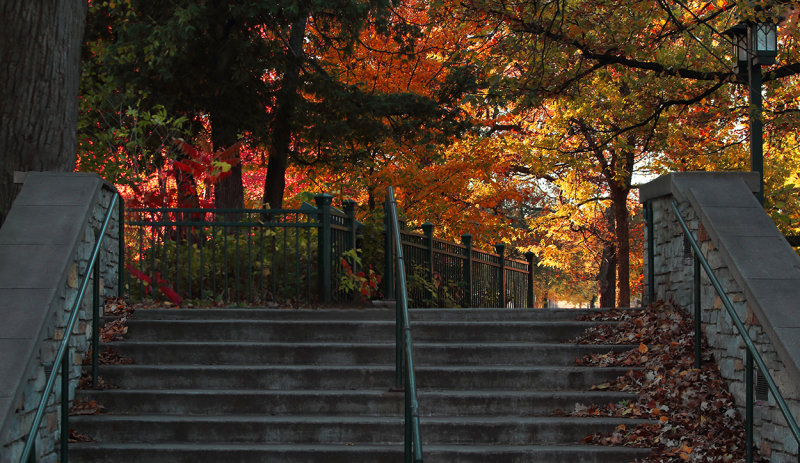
<point x="348" y="445"/>
<point x="424" y="419"/>
<point x="450" y="368"/>
<point x="367" y="391"/>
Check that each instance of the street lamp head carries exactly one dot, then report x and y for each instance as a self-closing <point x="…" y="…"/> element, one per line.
<point x="763" y="42"/>
<point x="738" y="35"/>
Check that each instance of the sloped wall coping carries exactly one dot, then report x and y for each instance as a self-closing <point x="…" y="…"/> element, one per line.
<point x="755" y="251"/>
<point x="43" y="245"/>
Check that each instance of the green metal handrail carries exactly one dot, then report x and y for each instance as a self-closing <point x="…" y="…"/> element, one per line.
<point x="751" y="353"/>
<point x="405" y="358"/>
<point x="61" y="355"/>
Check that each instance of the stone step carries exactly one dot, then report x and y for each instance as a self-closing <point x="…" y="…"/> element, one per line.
<point x="341" y="453"/>
<point x="500" y="314"/>
<point x="248" y="429"/>
<point x="367" y="402"/>
<point x="384" y="313"/>
<point x="354" y="377"/>
<point x="333" y="353"/>
<point x="350" y="330"/>
<point x="256" y="313"/>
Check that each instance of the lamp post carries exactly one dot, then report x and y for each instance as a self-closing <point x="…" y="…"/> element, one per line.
<point x="755" y="44"/>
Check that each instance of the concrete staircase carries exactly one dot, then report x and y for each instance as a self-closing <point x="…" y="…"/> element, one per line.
<point x="278" y="385"/>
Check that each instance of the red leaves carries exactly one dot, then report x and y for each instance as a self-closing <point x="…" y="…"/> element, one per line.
<point x="695" y="418"/>
<point x="204" y="163"/>
<point x="162" y="284"/>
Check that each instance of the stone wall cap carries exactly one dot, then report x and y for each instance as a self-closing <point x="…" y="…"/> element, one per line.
<point x="676" y="184"/>
<point x="38" y="242"/>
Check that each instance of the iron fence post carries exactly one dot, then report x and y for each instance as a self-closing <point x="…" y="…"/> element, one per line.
<point x="466" y="240"/>
<point x="501" y="251"/>
<point x="388" y="275"/>
<point x="530" y="256"/>
<point x="121" y="277"/>
<point x="324" y="206"/>
<point x="427" y="230"/>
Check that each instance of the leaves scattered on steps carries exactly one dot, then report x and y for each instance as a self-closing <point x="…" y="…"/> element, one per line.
<point x="85" y="407"/>
<point x="108" y="357"/>
<point x="115" y="330"/>
<point x="75" y="436"/>
<point x="117" y="306"/>
<point x="695" y="416"/>
<point x="86" y="382"/>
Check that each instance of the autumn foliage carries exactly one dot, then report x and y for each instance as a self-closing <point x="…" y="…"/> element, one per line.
<point x="529" y="123"/>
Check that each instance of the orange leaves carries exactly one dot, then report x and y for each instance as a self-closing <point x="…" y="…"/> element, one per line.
<point x="693" y="416"/>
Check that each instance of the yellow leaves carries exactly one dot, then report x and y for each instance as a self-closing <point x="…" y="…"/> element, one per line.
<point x="643" y="349"/>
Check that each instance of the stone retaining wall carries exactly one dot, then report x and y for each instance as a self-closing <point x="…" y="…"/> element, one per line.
<point x="720" y="210"/>
<point x="52" y="230"/>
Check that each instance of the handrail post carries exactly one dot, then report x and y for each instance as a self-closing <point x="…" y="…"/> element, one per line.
<point x="748" y="420"/>
<point x="466" y="240"/>
<point x="65" y="364"/>
<point x="398" y="349"/>
<point x="651" y="270"/>
<point x="95" y="318"/>
<point x="427" y="230"/>
<point x="324" y="206"/>
<point x="388" y="275"/>
<point x="697" y="312"/>
<point x="501" y="251"/>
<point x="531" y="280"/>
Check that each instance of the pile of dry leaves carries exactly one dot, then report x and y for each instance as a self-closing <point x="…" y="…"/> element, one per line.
<point x="693" y="414"/>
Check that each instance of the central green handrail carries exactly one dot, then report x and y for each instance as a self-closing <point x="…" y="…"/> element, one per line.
<point x="405" y="357"/>
<point x="751" y="355"/>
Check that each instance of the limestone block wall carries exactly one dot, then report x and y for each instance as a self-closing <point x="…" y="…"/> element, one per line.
<point x="45" y="247"/>
<point x="718" y="211"/>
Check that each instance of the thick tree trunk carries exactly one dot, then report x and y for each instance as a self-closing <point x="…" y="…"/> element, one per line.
<point x="607" y="276"/>
<point x="228" y="192"/>
<point x="620" y="200"/>
<point x="282" y="128"/>
<point x="40" y="44"/>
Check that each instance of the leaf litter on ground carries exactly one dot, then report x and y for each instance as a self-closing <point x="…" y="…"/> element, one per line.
<point x="692" y="414"/>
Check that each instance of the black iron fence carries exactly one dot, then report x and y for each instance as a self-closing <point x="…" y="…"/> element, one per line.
<point x="237" y="255"/>
<point x="306" y="255"/>
<point x="444" y="274"/>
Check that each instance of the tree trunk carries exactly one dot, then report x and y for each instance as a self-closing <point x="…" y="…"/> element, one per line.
<point x="619" y="197"/>
<point x="228" y="192"/>
<point x="40" y="45"/>
<point x="607" y="275"/>
<point x="275" y="182"/>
